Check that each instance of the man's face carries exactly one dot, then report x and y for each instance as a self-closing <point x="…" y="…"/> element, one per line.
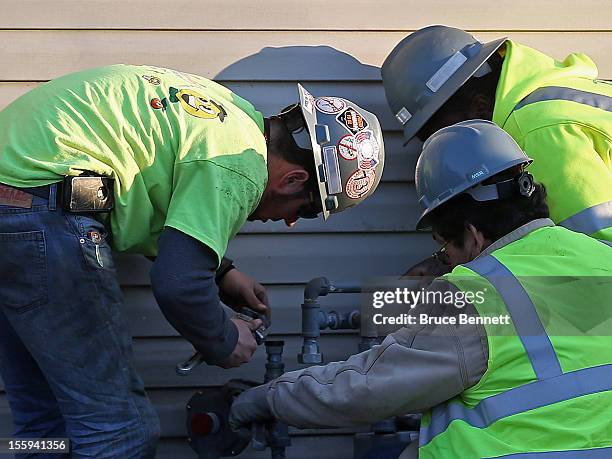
<point x="288" y="195"/>
<point x="456" y="109"/>
<point x="441" y="119"/>
<point x="291" y="192"/>
<point x="276" y="207"/>
<point x="454" y="253"/>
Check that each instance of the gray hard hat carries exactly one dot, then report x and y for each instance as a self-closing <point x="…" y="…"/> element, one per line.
<point x="347" y="146"/>
<point x="427" y="67"/>
<point x="458" y="158"/>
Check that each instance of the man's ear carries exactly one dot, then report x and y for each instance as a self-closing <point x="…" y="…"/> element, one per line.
<point x="479" y="238"/>
<point x="481" y="107"/>
<point x="293" y="181"/>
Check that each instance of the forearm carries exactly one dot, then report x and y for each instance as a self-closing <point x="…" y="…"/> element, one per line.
<point x="225" y="267"/>
<point x="366" y="388"/>
<point x="413" y="369"/>
<point x="183" y="281"/>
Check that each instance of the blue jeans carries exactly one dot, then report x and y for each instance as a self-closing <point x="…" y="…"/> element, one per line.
<point x="65" y="351"/>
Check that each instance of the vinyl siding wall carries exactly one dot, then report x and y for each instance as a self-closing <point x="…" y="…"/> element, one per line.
<point x="261" y="50"/>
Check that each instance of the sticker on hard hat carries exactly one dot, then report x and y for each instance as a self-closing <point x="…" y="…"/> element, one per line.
<point x="359" y="183"/>
<point x="352" y="120"/>
<point x="403" y="115"/>
<point x="367" y="150"/>
<point x="346" y="147"/>
<point x="308" y="102"/>
<point x="448" y="69"/>
<point x="330" y="105"/>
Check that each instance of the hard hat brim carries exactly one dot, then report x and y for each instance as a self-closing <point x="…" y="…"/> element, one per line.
<point x="450" y="87"/>
<point x="310" y="117"/>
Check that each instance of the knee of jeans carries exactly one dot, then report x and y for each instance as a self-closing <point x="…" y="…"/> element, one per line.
<point x="136" y="441"/>
<point x="132" y="434"/>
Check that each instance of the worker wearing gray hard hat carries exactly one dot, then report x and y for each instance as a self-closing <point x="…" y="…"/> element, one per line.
<point x="347" y="145"/>
<point x="493" y="384"/>
<point x="443" y="173"/>
<point x="557" y="111"/>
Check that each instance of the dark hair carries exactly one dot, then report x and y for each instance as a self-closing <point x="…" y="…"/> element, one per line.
<point x="462" y="98"/>
<point x="494" y="219"/>
<point x="282" y="145"/>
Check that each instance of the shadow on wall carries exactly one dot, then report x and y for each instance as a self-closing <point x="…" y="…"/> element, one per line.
<point x="268" y="79"/>
<point x="321" y="63"/>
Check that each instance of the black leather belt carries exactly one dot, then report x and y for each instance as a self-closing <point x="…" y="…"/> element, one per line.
<point x="45" y="190"/>
<point x="79" y="194"/>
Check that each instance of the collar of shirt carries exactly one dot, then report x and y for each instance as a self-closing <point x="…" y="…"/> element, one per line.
<point x="517" y="234"/>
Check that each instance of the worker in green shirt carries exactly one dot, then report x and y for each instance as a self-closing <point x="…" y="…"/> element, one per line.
<point x="559" y="112"/>
<point x="162" y="163"/>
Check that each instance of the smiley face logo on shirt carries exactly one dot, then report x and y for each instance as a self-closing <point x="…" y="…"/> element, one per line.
<point x="197" y="104"/>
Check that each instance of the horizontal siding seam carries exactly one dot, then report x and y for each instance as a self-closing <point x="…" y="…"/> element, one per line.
<point x="268" y="30"/>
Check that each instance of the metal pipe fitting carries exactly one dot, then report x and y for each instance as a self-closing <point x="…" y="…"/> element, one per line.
<point x="275" y="366"/>
<point x="314" y="320"/>
<point x="343" y="321"/>
<point x="278" y="438"/>
<point x="311" y="353"/>
<point x="319" y="286"/>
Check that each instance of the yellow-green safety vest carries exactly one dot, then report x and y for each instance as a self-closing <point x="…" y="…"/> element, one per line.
<point x="561" y="115"/>
<point x="547" y="390"/>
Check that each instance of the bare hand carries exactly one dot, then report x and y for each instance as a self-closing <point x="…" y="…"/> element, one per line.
<point x="246" y="345"/>
<point x="238" y="290"/>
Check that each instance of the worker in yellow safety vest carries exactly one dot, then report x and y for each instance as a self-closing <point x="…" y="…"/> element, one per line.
<point x="524" y="370"/>
<point x="557" y="111"/>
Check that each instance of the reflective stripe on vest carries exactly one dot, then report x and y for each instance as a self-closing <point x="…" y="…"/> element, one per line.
<point x="605" y="242"/>
<point x="524" y="315"/>
<point x="556" y="388"/>
<point x="573" y="95"/>
<point x="591" y="220"/>
<point x="519" y="400"/>
<point x="596" y="218"/>
<point x="596" y="453"/>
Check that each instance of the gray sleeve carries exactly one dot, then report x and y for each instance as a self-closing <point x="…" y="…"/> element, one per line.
<point x="183" y="283"/>
<point x="412" y="370"/>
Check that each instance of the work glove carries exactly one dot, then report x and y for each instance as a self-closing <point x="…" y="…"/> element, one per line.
<point x="237" y="290"/>
<point x="250" y="407"/>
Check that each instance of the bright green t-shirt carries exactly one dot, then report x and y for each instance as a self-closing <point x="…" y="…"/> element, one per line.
<point x="184" y="151"/>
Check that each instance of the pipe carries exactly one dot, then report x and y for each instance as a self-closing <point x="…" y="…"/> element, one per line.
<point x="342" y="321"/>
<point x="279" y="433"/>
<point x="314" y="320"/>
<point x="319" y="286"/>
